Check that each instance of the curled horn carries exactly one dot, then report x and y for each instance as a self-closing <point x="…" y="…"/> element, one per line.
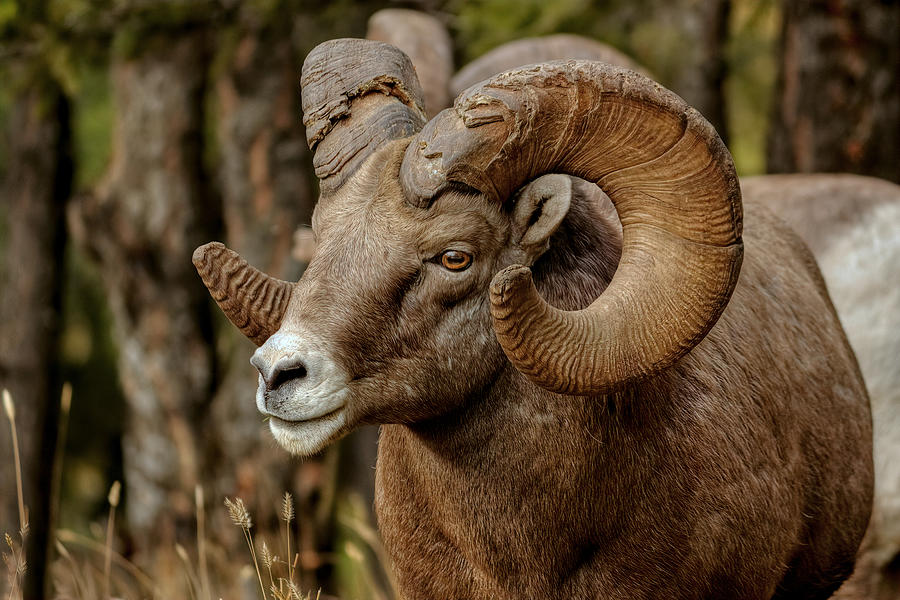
<point x="356" y="95"/>
<point x="670" y="178"/>
<point x="252" y="300"/>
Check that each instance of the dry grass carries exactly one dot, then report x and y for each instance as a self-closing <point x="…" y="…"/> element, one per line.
<point x="88" y="567"/>
<point x="15" y="559"/>
<point x="280" y="573"/>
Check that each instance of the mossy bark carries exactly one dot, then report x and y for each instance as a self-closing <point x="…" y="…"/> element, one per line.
<point x="151" y="210"/>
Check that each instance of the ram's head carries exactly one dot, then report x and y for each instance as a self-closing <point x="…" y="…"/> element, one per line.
<point x="421" y="290"/>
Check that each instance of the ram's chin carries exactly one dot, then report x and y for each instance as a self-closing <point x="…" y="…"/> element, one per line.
<point x="305" y="438"/>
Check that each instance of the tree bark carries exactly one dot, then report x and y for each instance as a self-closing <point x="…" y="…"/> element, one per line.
<point x="141" y="226"/>
<point x="699" y="76"/>
<point x="837" y="105"/>
<point x="37" y="184"/>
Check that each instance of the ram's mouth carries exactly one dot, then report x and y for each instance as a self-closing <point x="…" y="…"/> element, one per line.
<point x="303" y="422"/>
<point x="308" y="436"/>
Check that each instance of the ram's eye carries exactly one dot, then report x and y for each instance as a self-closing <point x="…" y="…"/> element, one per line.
<point x="456" y="260"/>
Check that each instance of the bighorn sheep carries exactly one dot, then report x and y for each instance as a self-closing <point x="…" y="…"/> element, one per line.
<point x="567" y="412"/>
<point x="536" y="50"/>
<point x="852" y="225"/>
<point x="425" y="40"/>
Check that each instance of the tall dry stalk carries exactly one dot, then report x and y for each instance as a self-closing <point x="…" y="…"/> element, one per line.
<point x="65" y="405"/>
<point x="192" y="579"/>
<point x="287" y="515"/>
<point x="205" y="591"/>
<point x="10" y="409"/>
<point x="113" y="498"/>
<point x="18" y="554"/>
<point x="241" y="517"/>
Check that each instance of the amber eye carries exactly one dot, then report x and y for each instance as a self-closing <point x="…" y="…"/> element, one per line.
<point x="456" y="260"/>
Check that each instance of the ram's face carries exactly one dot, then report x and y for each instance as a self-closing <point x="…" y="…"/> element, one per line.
<point x="390" y="322"/>
<point x="419" y="292"/>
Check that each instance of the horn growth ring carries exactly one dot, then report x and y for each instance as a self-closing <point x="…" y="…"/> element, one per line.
<point x="253" y="301"/>
<point x="356" y="95"/>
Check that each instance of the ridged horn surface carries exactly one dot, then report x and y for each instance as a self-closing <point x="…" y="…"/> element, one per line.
<point x="356" y="95"/>
<point x="252" y="300"/>
<point x="670" y="178"/>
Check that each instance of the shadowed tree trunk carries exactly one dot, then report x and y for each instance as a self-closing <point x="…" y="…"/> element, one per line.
<point x="837" y="104"/>
<point x="141" y="226"/>
<point x="699" y="75"/>
<point x="37" y="184"/>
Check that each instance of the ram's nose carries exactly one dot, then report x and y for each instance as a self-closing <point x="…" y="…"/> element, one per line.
<point x="299" y="378"/>
<point x="276" y="371"/>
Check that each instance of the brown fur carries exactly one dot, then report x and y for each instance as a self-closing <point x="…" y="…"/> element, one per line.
<point x="852" y="225"/>
<point x="744" y="471"/>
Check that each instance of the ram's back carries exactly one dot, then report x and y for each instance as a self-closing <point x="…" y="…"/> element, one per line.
<point x="852" y="225"/>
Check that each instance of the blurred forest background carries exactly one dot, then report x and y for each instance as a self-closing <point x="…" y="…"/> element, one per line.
<point x="135" y="130"/>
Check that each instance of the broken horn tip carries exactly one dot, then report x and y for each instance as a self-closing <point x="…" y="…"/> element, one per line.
<point x="511" y="278"/>
<point x="200" y="254"/>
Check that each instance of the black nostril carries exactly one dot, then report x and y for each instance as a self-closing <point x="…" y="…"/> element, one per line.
<point x="282" y="376"/>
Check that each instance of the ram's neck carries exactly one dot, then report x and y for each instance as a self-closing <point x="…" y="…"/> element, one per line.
<point x="504" y="435"/>
<point x="577" y="268"/>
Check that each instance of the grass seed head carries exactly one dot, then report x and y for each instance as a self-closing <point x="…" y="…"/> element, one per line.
<point x="295" y="591"/>
<point x="287" y="507"/>
<point x="8" y="405"/>
<point x="238" y="513"/>
<point x="114" y="492"/>
<point x="266" y="555"/>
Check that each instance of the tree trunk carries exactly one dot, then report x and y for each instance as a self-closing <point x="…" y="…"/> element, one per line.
<point x="141" y="226"/>
<point x="699" y="76"/>
<point x="37" y="184"/>
<point x="837" y="105"/>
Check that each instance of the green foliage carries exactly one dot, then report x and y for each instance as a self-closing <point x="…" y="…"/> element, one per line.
<point x="752" y="69"/>
<point x="485" y="24"/>
<point x="92" y="117"/>
<point x="9" y="10"/>
<point x="58" y="58"/>
<point x="76" y="14"/>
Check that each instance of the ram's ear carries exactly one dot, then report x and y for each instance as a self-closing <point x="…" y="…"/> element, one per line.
<point x="539" y="208"/>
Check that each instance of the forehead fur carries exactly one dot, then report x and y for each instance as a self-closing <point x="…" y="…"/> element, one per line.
<point x="373" y="206"/>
